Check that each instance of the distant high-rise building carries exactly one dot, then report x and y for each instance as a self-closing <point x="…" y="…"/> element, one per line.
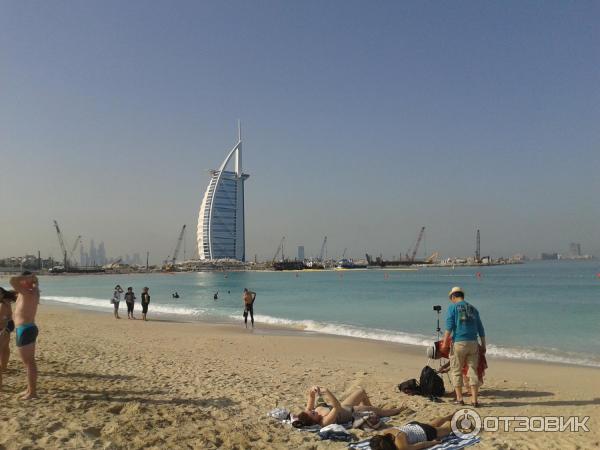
<point x="101" y="254"/>
<point x="574" y="249"/>
<point x="549" y="256"/>
<point x="82" y="261"/>
<point x="92" y="253"/>
<point x="221" y="225"/>
<point x="301" y="252"/>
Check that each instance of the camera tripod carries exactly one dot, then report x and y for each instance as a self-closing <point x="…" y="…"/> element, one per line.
<point x="438" y="331"/>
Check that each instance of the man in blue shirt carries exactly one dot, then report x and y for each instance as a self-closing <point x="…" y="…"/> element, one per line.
<point x="463" y="325"/>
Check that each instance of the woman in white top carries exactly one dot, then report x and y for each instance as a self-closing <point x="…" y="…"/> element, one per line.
<point x="414" y="435"/>
<point x="116" y="299"/>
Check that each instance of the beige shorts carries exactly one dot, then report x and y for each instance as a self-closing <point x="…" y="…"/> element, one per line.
<point x="464" y="352"/>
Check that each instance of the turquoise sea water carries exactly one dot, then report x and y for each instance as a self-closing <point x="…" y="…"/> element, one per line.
<point x="542" y="311"/>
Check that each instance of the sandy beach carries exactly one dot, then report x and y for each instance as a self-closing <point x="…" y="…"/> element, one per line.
<point x="109" y="384"/>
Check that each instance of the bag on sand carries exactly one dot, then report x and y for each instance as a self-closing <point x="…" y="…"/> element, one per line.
<point x="409" y="387"/>
<point x="430" y="383"/>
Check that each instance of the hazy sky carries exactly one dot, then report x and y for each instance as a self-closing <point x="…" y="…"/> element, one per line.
<point x="361" y="120"/>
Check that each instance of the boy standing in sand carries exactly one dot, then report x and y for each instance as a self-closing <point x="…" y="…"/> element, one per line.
<point x="28" y="299"/>
<point x="248" y="297"/>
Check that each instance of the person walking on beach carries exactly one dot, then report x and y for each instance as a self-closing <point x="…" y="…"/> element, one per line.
<point x="7" y="325"/>
<point x="130" y="301"/>
<point x="116" y="299"/>
<point x="463" y="325"/>
<point x="248" y="297"/>
<point x="26" y="306"/>
<point x="145" y="302"/>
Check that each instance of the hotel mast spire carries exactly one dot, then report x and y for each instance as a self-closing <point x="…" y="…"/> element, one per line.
<point x="238" y="153"/>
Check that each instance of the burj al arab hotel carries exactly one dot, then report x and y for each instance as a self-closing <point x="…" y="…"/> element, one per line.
<point x="221" y="232"/>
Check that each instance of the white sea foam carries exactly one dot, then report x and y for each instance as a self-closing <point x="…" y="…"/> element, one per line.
<point x="423" y="340"/>
<point x="105" y="304"/>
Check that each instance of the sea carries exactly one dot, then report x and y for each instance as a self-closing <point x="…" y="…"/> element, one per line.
<point x="541" y="311"/>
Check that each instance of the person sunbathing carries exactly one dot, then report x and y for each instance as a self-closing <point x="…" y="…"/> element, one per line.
<point x="333" y="411"/>
<point x="413" y="436"/>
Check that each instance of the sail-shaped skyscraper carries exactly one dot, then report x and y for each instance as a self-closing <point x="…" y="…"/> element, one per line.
<point x="221" y="228"/>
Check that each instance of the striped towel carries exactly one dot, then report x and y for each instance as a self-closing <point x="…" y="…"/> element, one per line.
<point x="451" y="442"/>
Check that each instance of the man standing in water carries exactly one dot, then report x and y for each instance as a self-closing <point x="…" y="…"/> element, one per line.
<point x="130" y="302"/>
<point x="248" y="297"/>
<point x="464" y="326"/>
<point x="145" y="302"/>
<point x="28" y="299"/>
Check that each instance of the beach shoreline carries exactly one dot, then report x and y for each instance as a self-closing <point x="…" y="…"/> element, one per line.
<point x="413" y="348"/>
<point x="107" y="383"/>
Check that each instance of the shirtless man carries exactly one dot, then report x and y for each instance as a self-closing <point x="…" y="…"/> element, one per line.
<point x="6" y="327"/>
<point x="248" y="297"/>
<point x="28" y="299"/>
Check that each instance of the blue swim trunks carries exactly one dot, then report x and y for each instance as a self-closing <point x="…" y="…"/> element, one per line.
<point x="26" y="334"/>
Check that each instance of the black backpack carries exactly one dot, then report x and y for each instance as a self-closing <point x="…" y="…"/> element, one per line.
<point x="430" y="383"/>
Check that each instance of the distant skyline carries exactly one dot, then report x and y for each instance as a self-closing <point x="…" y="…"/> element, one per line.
<point x="362" y="122"/>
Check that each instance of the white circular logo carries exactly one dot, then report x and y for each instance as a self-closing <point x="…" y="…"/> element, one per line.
<point x="466" y="423"/>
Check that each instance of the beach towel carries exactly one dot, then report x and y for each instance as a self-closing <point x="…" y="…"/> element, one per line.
<point x="314" y="428"/>
<point x="451" y="442"/>
<point x="280" y="415"/>
<point x="335" y="432"/>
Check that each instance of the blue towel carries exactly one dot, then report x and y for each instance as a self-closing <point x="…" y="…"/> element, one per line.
<point x="450" y="442"/>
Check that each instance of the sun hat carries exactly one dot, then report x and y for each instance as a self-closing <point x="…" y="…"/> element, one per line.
<point x="456" y="289"/>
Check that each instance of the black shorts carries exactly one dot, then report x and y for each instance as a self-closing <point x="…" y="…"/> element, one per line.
<point x="249" y="309"/>
<point x="430" y="431"/>
<point x="145" y="308"/>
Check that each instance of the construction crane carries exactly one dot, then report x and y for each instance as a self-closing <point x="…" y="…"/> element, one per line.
<point x="414" y="252"/>
<point x="61" y="242"/>
<point x="279" y="249"/>
<point x="178" y="246"/>
<point x="323" y="248"/>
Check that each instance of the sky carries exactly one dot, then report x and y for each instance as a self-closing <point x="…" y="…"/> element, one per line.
<point x="362" y="122"/>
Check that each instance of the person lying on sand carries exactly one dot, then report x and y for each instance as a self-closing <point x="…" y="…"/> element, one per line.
<point x="6" y="327"/>
<point x="413" y="436"/>
<point x="26" y="307"/>
<point x="334" y="411"/>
